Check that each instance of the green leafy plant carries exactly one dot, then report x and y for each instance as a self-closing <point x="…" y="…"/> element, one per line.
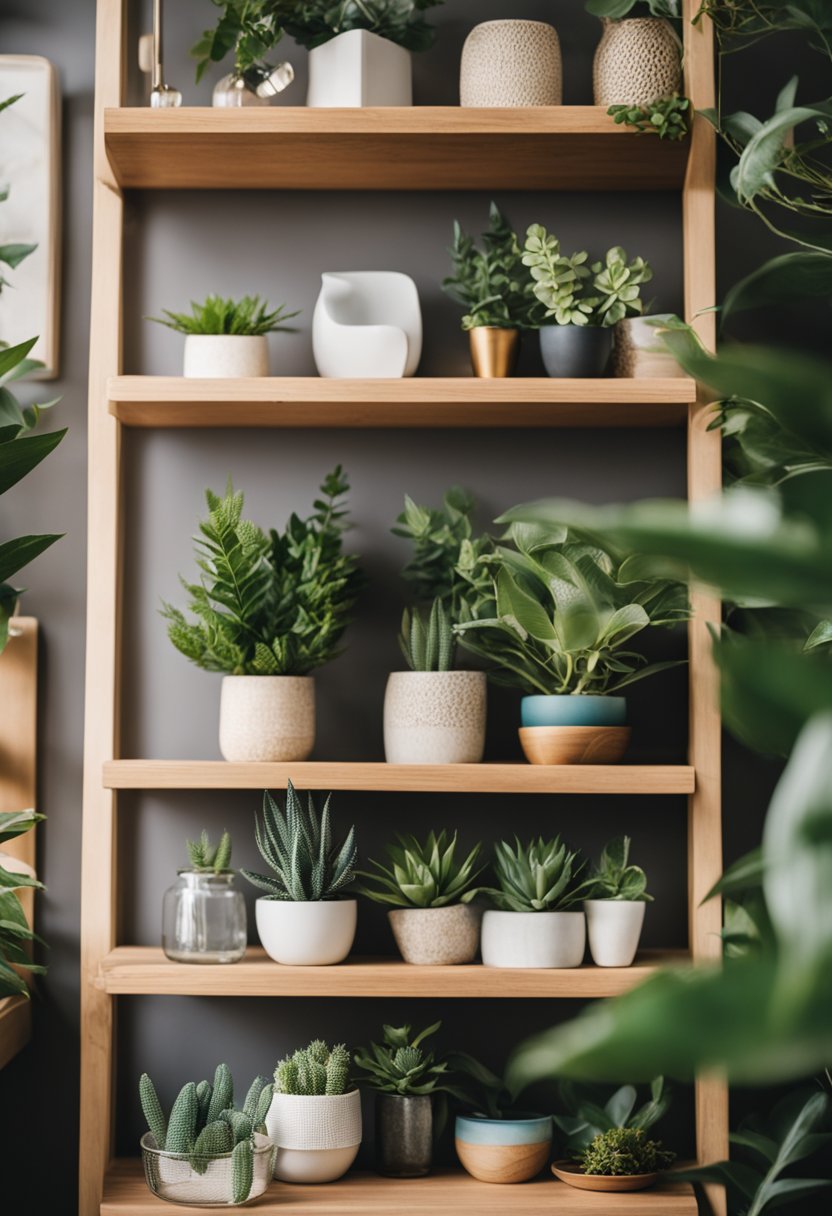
<point x="275" y="604"/>
<point x="297" y="846"/>
<point x="15" y="934"/>
<point x="616" y="9"/>
<point x="565" y="613"/>
<point x="614" y="877"/>
<point x="12" y="253"/>
<point x="541" y="876"/>
<point x="247" y="317"/>
<point x="423" y="875"/>
<point x="314" y="1071"/>
<point x="559" y="282"/>
<point x="204" y="1124"/>
<point x="624" y="1150"/>
<point x="400" y="1065"/>
<point x="490" y="283"/>
<point x="249" y="28"/>
<point x="669" y="117"/>
<point x="313" y="22"/>
<point x="206" y="857"/>
<point x="427" y="641"/>
<point x="590" y="1113"/>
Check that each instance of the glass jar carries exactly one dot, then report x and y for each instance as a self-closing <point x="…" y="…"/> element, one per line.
<point x="204" y="919"/>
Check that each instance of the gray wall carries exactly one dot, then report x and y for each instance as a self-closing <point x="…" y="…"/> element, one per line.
<point x="180" y="246"/>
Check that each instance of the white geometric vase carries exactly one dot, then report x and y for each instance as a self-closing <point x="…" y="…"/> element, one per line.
<point x="359" y="68"/>
<point x="367" y="325"/>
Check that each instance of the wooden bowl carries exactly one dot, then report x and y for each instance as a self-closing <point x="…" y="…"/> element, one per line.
<point x="573" y="1174"/>
<point x="574" y="744"/>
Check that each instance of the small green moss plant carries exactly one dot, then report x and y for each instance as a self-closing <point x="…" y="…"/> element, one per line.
<point x="314" y="1071"/>
<point x="248" y="317"/>
<point x="669" y="118"/>
<point x="540" y="876"/>
<point x="623" y="1151"/>
<point x="427" y="639"/>
<point x="423" y="874"/>
<point x="208" y="858"/>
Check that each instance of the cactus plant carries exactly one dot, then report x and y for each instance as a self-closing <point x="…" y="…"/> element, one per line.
<point x="242" y="1171"/>
<point x="297" y="845"/>
<point x="223" y="1093"/>
<point x="427" y="641"/>
<point x="206" y="857"/>
<point x="423" y="875"/>
<point x="152" y="1109"/>
<point x="316" y="1070"/>
<point x="538" y="877"/>
<point x="182" y="1122"/>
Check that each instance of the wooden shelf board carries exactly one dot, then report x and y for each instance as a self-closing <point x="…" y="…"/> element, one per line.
<point x="15" y="1026"/>
<point x="162" y="401"/>
<point x="145" y="971"/>
<point x="412" y="148"/>
<point x="417" y="778"/>
<point x="443" y="1193"/>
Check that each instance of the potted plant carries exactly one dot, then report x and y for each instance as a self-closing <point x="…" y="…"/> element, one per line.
<point x="270" y="609"/>
<point x="359" y="52"/>
<point x="639" y="348"/>
<point x="405" y="1078"/>
<point x="614" y="898"/>
<point x="494" y="1141"/>
<point x="432" y="714"/>
<point x="249" y="29"/>
<point x="639" y="59"/>
<point x="206" y="1152"/>
<point x="535" y="922"/>
<point x="621" y="1159"/>
<point x="302" y="920"/>
<point x="428" y="891"/>
<point x="495" y="291"/>
<point x="315" y="1116"/>
<point x="578" y="341"/>
<point x="16" y="934"/>
<point x="226" y="339"/>
<point x="203" y="916"/>
<point x="562" y="630"/>
<point x="511" y="63"/>
<point x="591" y="1111"/>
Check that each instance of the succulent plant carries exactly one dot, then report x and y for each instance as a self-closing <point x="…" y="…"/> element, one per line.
<point x="560" y="281"/>
<point x="424" y="875"/>
<point x="540" y="876"/>
<point x="401" y="1066"/>
<point x="614" y="877"/>
<point x="316" y="1070"/>
<point x="427" y="640"/>
<point x="669" y="117"/>
<point x="591" y="1112"/>
<point x="297" y="845"/>
<point x="206" y="857"/>
<point x="623" y="1151"/>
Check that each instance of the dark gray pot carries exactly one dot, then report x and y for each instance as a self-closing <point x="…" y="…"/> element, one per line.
<point x="576" y="351"/>
<point x="404" y="1135"/>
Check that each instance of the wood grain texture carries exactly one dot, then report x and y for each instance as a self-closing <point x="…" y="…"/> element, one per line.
<point x="415" y="148"/>
<point x="442" y="1193"/>
<point x="18" y="738"/>
<point x="144" y="970"/>
<point x="421" y="778"/>
<point x="15" y="1026"/>
<point x="555" y="745"/>
<point x="503" y="1164"/>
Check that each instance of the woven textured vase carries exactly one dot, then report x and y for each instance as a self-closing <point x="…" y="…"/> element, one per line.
<point x="637" y="62"/>
<point x="511" y="63"/>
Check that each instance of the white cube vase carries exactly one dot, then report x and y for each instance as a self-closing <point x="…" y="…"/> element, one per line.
<point x="533" y="939"/>
<point x="434" y="717"/>
<point x="359" y="68"/>
<point x="226" y="356"/>
<point x="317" y="1138"/>
<point x="267" y="718"/>
<point x="367" y="325"/>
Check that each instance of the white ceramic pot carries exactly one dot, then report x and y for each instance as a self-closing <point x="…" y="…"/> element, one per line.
<point x="367" y="324"/>
<point x="434" y="717"/>
<point x="360" y="68"/>
<point x="317" y="1138"/>
<point x="226" y="356"/>
<point x="437" y="937"/>
<point x="533" y="939"/>
<point x="638" y="350"/>
<point x="614" y="928"/>
<point x="511" y="63"/>
<point x="267" y="718"/>
<point x="317" y="933"/>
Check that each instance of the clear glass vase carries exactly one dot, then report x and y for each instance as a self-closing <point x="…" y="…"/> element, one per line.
<point x="204" y="919"/>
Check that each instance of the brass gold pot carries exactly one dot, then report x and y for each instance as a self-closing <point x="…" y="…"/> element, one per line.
<point x="494" y="351"/>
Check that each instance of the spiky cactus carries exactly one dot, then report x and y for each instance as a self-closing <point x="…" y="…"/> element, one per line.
<point x="242" y="1171"/>
<point x="427" y="643"/>
<point x="182" y="1130"/>
<point x="208" y="858"/>
<point x="223" y="1093"/>
<point x="240" y="1123"/>
<point x="214" y="1140"/>
<point x="314" y="1071"/>
<point x="152" y="1109"/>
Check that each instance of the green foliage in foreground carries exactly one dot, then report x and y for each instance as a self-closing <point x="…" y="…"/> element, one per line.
<point x="15" y="934"/>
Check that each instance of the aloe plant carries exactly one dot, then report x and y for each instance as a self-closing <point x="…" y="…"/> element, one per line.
<point x="541" y="876"/>
<point x="614" y="877"/>
<point x="427" y="640"/>
<point x="423" y="874"/>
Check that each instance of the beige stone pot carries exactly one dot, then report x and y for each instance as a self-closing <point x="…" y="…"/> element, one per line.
<point x="437" y="937"/>
<point x="434" y="717"/>
<point x="267" y="718"/>
<point x="637" y="62"/>
<point x="511" y="63"/>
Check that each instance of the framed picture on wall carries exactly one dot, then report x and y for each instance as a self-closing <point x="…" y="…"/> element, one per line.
<point x="30" y="171"/>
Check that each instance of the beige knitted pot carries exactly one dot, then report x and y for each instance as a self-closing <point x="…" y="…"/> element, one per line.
<point x="637" y="62"/>
<point x="511" y="63"/>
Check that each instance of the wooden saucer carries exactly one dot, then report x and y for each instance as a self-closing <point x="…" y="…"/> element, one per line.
<point x="574" y="1175"/>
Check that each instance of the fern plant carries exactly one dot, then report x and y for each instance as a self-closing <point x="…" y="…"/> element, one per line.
<point x="490" y="283"/>
<point x="423" y="875"/>
<point x="314" y="1071"/>
<point x="427" y="642"/>
<point x="269" y="605"/>
<point x="247" y="317"/>
<point x="297" y="846"/>
<point x="208" y="858"/>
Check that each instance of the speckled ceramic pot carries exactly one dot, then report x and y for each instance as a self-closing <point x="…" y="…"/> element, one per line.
<point x="437" y="937"/>
<point x="511" y="63"/>
<point x="267" y="717"/>
<point x="637" y="62"/>
<point x="404" y="1134"/>
<point x="434" y="717"/>
<point x="226" y="356"/>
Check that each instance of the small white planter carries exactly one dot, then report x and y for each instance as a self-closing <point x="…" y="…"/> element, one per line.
<point x="299" y="934"/>
<point x="614" y="928"/>
<point x="533" y="939"/>
<point x="434" y="717"/>
<point x="226" y="356"/>
<point x="360" y="68"/>
<point x="317" y="1138"/>
<point x="267" y="718"/>
<point x="437" y="937"/>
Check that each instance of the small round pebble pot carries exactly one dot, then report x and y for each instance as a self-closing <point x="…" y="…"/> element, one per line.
<point x="437" y="937"/>
<point x="267" y="718"/>
<point x="434" y="717"/>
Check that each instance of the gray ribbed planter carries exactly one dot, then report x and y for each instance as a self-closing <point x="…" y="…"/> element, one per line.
<point x="404" y="1135"/>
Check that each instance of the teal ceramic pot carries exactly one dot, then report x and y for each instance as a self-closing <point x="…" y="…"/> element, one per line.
<point x="575" y="351"/>
<point x="573" y="711"/>
<point x="503" y="1150"/>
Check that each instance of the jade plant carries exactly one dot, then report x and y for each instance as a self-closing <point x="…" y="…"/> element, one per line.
<point x="313" y="22"/>
<point x="204" y="1124"/>
<point x="669" y="117"/>
<point x="297" y="845"/>
<point x="423" y="875"/>
<point x="268" y="604"/>
<point x="614" y="877"/>
<point x="427" y="640"/>
<point x="15" y="933"/>
<point x="560" y="282"/>
<point x="591" y="1112"/>
<point x="541" y="876"/>
<point x="490" y="282"/>
<point x="208" y="858"/>
<point x="314" y="1071"/>
<point x="624" y="1151"/>
<point x="247" y="317"/>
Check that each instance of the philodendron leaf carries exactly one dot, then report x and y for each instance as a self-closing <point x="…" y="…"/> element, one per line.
<point x="784" y="280"/>
<point x="763" y="153"/>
